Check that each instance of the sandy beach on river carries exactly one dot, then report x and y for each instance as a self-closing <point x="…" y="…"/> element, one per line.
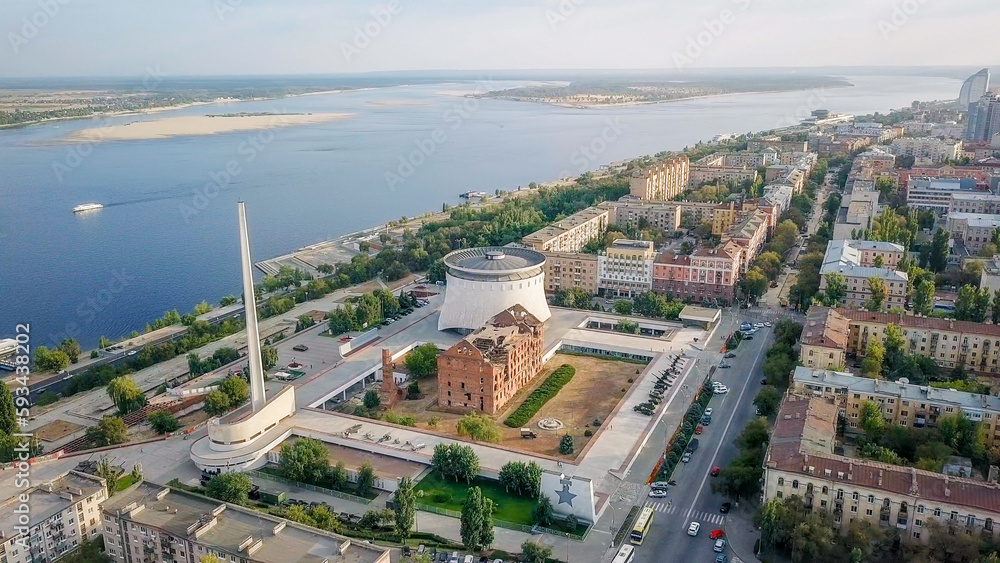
<point x="198" y="125"/>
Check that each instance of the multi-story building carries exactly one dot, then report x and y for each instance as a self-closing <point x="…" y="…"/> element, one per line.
<point x="990" y="278"/>
<point x="775" y="142"/>
<point x="973" y="229"/>
<point x="572" y="233"/>
<point x="950" y="343"/>
<point x="987" y="203"/>
<point x="707" y="274"/>
<point x="901" y="403"/>
<point x="750" y="233"/>
<point x="934" y="194"/>
<point x="662" y="215"/>
<point x="484" y="370"/>
<point x="710" y="173"/>
<point x="625" y="269"/>
<point x="824" y="339"/>
<point x="661" y="182"/>
<point x="984" y="119"/>
<point x="838" y="144"/>
<point x="568" y="270"/>
<point x="927" y="149"/>
<point x="695" y="213"/>
<point x="979" y="174"/>
<point x="858" y="209"/>
<point x="856" y="261"/>
<point x="156" y="524"/>
<point x="801" y="461"/>
<point x="61" y="515"/>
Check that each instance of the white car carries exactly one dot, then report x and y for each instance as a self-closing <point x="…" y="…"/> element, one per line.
<point x="720" y="390"/>
<point x="693" y="529"/>
<point x="758" y="325"/>
<point x="686" y="457"/>
<point x="768" y="323"/>
<point x="708" y="411"/>
<point x="657" y="493"/>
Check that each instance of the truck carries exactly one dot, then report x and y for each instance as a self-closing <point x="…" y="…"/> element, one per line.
<point x="528" y="434"/>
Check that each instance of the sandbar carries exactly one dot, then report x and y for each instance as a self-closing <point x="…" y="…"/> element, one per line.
<point x="198" y="125"/>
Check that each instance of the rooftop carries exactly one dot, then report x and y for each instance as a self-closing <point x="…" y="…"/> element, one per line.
<point x="51" y="498"/>
<point x="982" y="220"/>
<point x="567" y="224"/>
<point x="177" y="512"/>
<point x="913" y="321"/>
<point x="825" y="327"/>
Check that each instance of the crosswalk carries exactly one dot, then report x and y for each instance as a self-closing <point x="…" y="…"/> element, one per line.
<point x="695" y="515"/>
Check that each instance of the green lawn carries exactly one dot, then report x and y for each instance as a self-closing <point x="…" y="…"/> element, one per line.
<point x="509" y="508"/>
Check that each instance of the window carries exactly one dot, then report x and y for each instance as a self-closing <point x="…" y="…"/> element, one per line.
<point x="871" y="499"/>
<point x="781" y="481"/>
<point x="855" y="495"/>
<point x="795" y="484"/>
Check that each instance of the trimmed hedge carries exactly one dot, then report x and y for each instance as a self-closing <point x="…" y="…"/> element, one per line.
<point x="537" y="399"/>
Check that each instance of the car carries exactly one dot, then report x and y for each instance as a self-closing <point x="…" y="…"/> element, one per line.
<point x="729" y="355"/>
<point x="720" y="545"/>
<point x="659" y="485"/>
<point x="699" y="430"/>
<point x="300" y="347"/>
<point x="721" y="390"/>
<point x="746" y="326"/>
<point x="407" y="551"/>
<point x="693" y="529"/>
<point x="726" y="506"/>
<point x="724" y="365"/>
<point x="721" y="558"/>
<point x="657" y="493"/>
<point x="748" y="337"/>
<point x="768" y="324"/>
<point x="758" y="325"/>
<point x="709" y="411"/>
<point x="714" y="472"/>
<point x="706" y="420"/>
<point x="763" y="381"/>
<point x="686" y="457"/>
<point x="716" y="534"/>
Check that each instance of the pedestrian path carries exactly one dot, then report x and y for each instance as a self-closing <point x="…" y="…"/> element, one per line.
<point x="696" y="515"/>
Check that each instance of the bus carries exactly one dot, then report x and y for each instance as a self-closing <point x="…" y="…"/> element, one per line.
<point x="641" y="526"/>
<point x="625" y="554"/>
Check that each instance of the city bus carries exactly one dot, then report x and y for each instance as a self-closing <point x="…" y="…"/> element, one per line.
<point x="642" y="524"/>
<point x="625" y="554"/>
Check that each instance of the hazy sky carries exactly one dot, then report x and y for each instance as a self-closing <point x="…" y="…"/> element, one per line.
<point x="189" y="37"/>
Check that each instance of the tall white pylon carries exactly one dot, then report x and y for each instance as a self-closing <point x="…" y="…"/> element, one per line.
<point x="257" y="396"/>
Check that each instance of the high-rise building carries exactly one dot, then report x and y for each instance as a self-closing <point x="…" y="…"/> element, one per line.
<point x="974" y="87"/>
<point x="984" y="119"/>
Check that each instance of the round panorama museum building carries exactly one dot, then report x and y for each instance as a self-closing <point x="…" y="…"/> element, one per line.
<point x="484" y="281"/>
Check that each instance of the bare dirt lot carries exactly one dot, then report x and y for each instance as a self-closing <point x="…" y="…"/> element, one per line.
<point x="56" y="430"/>
<point x="592" y="394"/>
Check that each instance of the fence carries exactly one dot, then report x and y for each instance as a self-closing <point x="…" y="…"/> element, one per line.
<point x="504" y="524"/>
<point x="313" y="488"/>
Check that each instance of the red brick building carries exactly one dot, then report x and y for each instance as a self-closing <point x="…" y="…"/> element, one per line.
<point x="709" y="273"/>
<point x="486" y="368"/>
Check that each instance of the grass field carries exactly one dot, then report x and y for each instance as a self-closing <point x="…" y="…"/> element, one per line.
<point x="509" y="507"/>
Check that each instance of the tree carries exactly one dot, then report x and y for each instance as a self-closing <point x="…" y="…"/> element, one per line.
<point x="754" y="284"/>
<point x="125" y="394"/>
<point x="566" y="444"/>
<point x="623" y="307"/>
<point x="770" y="263"/>
<point x="981" y="307"/>
<point x="8" y="413"/>
<point x="269" y="357"/>
<point x="543" y="513"/>
<point x="230" y="487"/>
<point x="923" y="297"/>
<point x="217" y="403"/>
<point x="767" y="401"/>
<point x="209" y="559"/>
<point x="836" y="289"/>
<point x="877" y="287"/>
<point x="938" y="259"/>
<point x="535" y="552"/>
<point x="872" y="422"/>
<point x="54" y="360"/>
<point x="871" y="366"/>
<point x="163" y="422"/>
<point x="486" y="535"/>
<point x="372" y="400"/>
<point x="109" y="473"/>
<point x="338" y="475"/>
<point x="479" y="427"/>
<point x="71" y="348"/>
<point x="996" y="308"/>
<point x="237" y="389"/>
<point x="472" y="519"/>
<point x="110" y="431"/>
<point x="405" y="507"/>
<point x="305" y="460"/>
<point x="366" y="479"/>
<point x="524" y="479"/>
<point x="422" y="360"/>
<point x="455" y="461"/>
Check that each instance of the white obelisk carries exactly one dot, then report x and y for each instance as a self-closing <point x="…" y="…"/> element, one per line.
<point x="257" y="397"/>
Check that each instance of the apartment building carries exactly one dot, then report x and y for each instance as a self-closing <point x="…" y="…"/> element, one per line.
<point x="858" y="209"/>
<point x="156" y="524"/>
<point x="824" y="339"/>
<point x="987" y="203"/>
<point x="707" y="274"/>
<point x="856" y="261"/>
<point x="775" y="142"/>
<point x="901" y="403"/>
<point x="484" y="370"/>
<point x="568" y="270"/>
<point x="695" y="213"/>
<point x="750" y="233"/>
<point x="927" y="150"/>
<point x="801" y="461"/>
<point x="665" y="216"/>
<point x="990" y="278"/>
<point x="934" y="194"/>
<point x="973" y="229"/>
<point x="838" y="144"/>
<point x="625" y="269"/>
<point x="572" y="233"/>
<point x="62" y="514"/>
<point x="661" y="182"/>
<point x="979" y="174"/>
<point x="948" y="342"/>
<point x="721" y="174"/>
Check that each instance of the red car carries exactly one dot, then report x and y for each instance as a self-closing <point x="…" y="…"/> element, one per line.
<point x="716" y="534"/>
<point x="715" y="471"/>
<point x="699" y="429"/>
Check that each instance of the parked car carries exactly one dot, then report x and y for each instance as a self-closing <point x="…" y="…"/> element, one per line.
<point x="720" y="545"/>
<point x="706" y="420"/>
<point x="709" y="411"/>
<point x="729" y="355"/>
<point x="659" y="485"/>
<point x="720" y="390"/>
<point x="716" y="534"/>
<point x="686" y="457"/>
<point x="300" y="347"/>
<point x="714" y="472"/>
<point x="768" y="323"/>
<point x="699" y="429"/>
<point x="693" y="529"/>
<point x="763" y="381"/>
<point x="725" y="507"/>
<point x="724" y="365"/>
<point x="748" y="337"/>
<point x="721" y="558"/>
<point x="657" y="493"/>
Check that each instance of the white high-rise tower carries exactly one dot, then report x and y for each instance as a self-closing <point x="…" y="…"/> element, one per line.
<point x="257" y="397"/>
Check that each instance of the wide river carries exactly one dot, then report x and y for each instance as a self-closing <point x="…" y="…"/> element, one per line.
<point x="168" y="238"/>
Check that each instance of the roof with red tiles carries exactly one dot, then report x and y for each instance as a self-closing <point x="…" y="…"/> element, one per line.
<point x="825" y="327"/>
<point x="913" y="321"/>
